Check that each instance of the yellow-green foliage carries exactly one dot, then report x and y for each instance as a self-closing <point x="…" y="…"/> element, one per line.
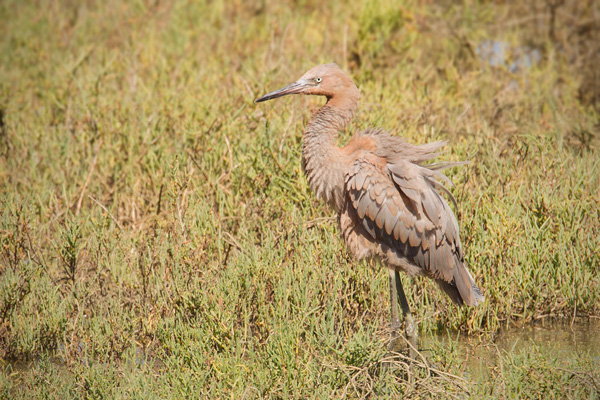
<point x="158" y="238"/>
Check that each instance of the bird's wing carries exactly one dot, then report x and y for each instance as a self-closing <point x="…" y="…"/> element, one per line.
<point x="398" y="204"/>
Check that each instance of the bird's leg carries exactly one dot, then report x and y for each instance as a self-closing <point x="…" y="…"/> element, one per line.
<point x="410" y="329"/>
<point x="409" y="325"/>
<point x="395" y="323"/>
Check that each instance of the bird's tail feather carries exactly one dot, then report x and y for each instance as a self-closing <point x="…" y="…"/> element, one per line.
<point x="462" y="289"/>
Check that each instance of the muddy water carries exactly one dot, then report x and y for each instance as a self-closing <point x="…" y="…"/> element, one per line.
<point x="562" y="339"/>
<point x="560" y="336"/>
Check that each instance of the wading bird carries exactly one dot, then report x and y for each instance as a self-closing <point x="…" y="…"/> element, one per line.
<point x="387" y="200"/>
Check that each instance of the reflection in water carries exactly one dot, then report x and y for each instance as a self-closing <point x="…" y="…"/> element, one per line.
<point x="560" y="338"/>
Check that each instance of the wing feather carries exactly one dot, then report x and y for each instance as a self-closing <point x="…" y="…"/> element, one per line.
<point x="398" y="205"/>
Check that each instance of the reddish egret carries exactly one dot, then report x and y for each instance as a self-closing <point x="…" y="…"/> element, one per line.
<point x="387" y="199"/>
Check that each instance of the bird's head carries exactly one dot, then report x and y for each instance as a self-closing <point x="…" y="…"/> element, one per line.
<point x="323" y="80"/>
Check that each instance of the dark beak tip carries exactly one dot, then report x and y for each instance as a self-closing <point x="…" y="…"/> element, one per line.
<point x="264" y="98"/>
<point x="261" y="99"/>
<point x="293" y="88"/>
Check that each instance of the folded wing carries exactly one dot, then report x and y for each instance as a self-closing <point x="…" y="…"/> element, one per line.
<point x="398" y="204"/>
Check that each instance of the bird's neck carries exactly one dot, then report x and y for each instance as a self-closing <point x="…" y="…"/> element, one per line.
<point x="323" y="161"/>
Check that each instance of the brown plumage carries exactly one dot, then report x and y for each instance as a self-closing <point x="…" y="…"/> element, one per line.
<point x="387" y="199"/>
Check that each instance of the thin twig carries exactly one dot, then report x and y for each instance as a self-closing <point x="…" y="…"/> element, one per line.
<point x="232" y="241"/>
<point x="89" y="178"/>
<point x="285" y="131"/>
<point x="106" y="210"/>
<point x="314" y="222"/>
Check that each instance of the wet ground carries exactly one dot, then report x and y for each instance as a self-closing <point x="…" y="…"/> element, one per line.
<point x="564" y="340"/>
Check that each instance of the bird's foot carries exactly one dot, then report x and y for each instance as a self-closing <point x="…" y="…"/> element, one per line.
<point x="395" y="326"/>
<point x="412" y="336"/>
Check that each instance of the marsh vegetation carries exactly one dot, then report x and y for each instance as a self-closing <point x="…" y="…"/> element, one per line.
<point x="158" y="238"/>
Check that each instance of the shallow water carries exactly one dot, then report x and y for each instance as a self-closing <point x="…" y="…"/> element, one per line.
<point x="561" y="338"/>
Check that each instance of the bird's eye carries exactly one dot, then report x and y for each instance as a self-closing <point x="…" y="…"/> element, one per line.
<point x="318" y="79"/>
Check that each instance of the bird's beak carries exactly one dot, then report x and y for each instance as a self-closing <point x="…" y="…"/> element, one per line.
<point x="293" y="88"/>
